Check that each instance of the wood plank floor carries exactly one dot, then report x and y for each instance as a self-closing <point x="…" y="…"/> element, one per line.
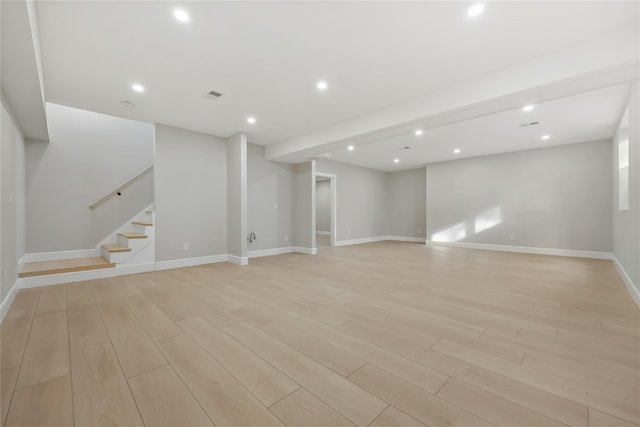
<point x="382" y="334"/>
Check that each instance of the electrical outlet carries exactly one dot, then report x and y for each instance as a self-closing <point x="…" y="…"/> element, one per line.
<point x="286" y="238"/>
<point x="419" y="230"/>
<point x="275" y="205"/>
<point x="512" y="236"/>
<point x="185" y="246"/>
<point x="349" y="232"/>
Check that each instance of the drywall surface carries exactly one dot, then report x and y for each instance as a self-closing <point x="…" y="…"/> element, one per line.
<point x="557" y="197"/>
<point x="406" y="202"/>
<point x="304" y="205"/>
<point x="191" y="194"/>
<point x="626" y="223"/>
<point x="361" y="200"/>
<point x="89" y="155"/>
<point x="323" y="206"/>
<point x="12" y="203"/>
<point x="270" y="195"/>
<point x="237" y="195"/>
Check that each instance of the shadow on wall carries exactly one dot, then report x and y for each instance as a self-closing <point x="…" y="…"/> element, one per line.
<point x="483" y="221"/>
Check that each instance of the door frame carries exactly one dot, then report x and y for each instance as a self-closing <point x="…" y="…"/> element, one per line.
<point x="333" y="208"/>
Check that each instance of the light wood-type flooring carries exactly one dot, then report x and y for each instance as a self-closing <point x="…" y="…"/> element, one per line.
<point x="382" y="334"/>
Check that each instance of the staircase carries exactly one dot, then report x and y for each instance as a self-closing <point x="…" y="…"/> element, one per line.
<point x="131" y="245"/>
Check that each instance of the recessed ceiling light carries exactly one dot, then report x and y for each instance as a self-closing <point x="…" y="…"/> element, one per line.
<point x="137" y="87"/>
<point x="351" y="148"/>
<point x="457" y="150"/>
<point x="251" y="120"/>
<point x="475" y="10"/>
<point x="527" y="108"/>
<point x="181" y="15"/>
<point x="545" y="137"/>
<point x="396" y="160"/>
<point x="418" y="132"/>
<point x="322" y="85"/>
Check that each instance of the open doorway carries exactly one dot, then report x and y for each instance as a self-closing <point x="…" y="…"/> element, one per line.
<point x="325" y="209"/>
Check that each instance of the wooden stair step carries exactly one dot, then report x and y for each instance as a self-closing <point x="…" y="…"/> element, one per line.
<point x="114" y="247"/>
<point x="145" y="223"/>
<point x="133" y="235"/>
<point x="64" y="266"/>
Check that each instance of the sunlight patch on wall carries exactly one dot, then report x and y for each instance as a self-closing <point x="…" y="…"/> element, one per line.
<point x="451" y="234"/>
<point x="488" y="219"/>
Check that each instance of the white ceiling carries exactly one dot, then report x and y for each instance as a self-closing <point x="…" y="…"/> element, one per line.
<point x="265" y="58"/>
<point x="585" y="117"/>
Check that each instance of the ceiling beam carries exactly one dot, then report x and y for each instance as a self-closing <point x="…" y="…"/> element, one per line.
<point x="602" y="62"/>
<point x="21" y="69"/>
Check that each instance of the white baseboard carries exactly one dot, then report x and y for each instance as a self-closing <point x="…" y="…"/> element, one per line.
<point x="189" y="262"/>
<point x="360" y="241"/>
<point x="380" y="239"/>
<point x="304" y="250"/>
<point x="633" y="289"/>
<point x="55" y="256"/>
<point x="406" y="239"/>
<point x="323" y="233"/>
<point x="8" y="300"/>
<point x="240" y="260"/>
<point x="526" y="249"/>
<point x="269" y="252"/>
<point x="80" y="276"/>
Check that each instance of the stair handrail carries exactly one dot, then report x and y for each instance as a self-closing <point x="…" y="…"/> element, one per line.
<point x="119" y="188"/>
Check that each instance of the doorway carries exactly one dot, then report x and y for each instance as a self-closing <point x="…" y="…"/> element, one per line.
<point x="325" y="223"/>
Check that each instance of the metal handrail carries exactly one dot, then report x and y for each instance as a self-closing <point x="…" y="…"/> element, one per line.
<point x="119" y="188"/>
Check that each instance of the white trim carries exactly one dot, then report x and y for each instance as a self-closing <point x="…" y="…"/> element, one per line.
<point x="80" y="276"/>
<point x="323" y="233"/>
<point x="360" y="241"/>
<point x="188" y="262"/>
<point x="269" y="252"/>
<point x="406" y="239"/>
<point x="55" y="256"/>
<point x="119" y="270"/>
<point x="633" y="289"/>
<point x="333" y="209"/>
<point x="303" y="250"/>
<point x="8" y="300"/>
<point x="526" y="249"/>
<point x="21" y="263"/>
<point x="240" y="260"/>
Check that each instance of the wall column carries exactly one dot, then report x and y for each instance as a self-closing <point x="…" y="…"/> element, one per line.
<point x="237" y="199"/>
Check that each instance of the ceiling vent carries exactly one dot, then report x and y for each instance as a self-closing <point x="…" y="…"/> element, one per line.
<point x="524" y="125"/>
<point x="213" y="94"/>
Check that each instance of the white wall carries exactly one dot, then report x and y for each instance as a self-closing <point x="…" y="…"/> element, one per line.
<point x="556" y="197"/>
<point x="323" y="206"/>
<point x="89" y="155"/>
<point x="304" y="205"/>
<point x="12" y="199"/>
<point x="406" y="201"/>
<point x="270" y="205"/>
<point x="361" y="200"/>
<point x="190" y="193"/>
<point x="237" y="195"/>
<point x="626" y="224"/>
